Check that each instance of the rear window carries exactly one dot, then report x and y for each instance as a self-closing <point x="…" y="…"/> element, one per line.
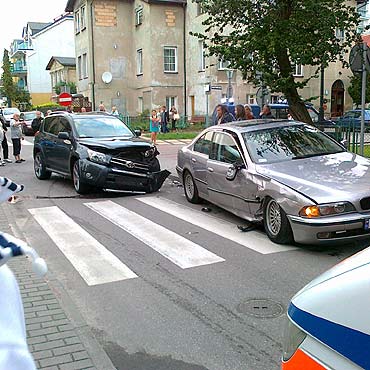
<point x="8" y="111"/>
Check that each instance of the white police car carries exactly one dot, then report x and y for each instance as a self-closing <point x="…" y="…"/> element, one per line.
<point x="329" y="320"/>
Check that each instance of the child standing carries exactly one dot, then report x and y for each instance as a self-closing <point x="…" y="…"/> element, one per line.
<point x="154" y="126"/>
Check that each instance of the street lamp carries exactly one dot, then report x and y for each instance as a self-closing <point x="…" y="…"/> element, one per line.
<point x="229" y="74"/>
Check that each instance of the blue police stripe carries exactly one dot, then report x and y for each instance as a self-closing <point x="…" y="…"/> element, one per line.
<point x="350" y="343"/>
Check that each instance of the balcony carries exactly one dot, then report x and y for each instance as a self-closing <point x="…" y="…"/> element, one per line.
<point x="18" y="69"/>
<point x="19" y="46"/>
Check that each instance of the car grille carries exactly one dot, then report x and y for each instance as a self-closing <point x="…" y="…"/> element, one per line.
<point x="365" y="203"/>
<point x="129" y="165"/>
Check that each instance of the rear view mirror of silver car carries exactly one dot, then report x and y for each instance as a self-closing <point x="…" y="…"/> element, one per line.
<point x="233" y="170"/>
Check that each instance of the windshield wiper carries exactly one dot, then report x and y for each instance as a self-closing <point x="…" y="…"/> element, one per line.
<point x="316" y="154"/>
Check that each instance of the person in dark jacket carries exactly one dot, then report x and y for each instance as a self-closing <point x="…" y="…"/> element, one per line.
<point x="165" y="118"/>
<point x="266" y="112"/>
<point x="36" y="122"/>
<point x="4" y="142"/>
<point x="223" y="115"/>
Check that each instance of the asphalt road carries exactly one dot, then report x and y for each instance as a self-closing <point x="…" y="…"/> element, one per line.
<point x="166" y="285"/>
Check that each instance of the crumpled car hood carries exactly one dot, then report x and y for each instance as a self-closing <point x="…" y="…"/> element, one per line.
<point x="115" y="143"/>
<point x="323" y="178"/>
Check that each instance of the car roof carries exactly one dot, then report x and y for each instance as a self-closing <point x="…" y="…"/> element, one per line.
<point x="257" y="124"/>
<point x="81" y="114"/>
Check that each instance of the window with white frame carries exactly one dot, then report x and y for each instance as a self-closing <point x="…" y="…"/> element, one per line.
<point x="202" y="57"/>
<point x="84" y="65"/>
<point x="200" y="10"/>
<point x="171" y="101"/>
<point x="170" y="59"/>
<point x="77" y="21"/>
<point x="139" y="15"/>
<point x="79" y="67"/>
<point x="140" y="104"/>
<point x="251" y="98"/>
<point x="339" y="34"/>
<point x="223" y="64"/>
<point x="83" y="17"/>
<point x="298" y="70"/>
<point x="139" y="62"/>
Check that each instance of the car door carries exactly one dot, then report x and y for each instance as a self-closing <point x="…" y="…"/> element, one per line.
<point x="47" y="140"/>
<point x="63" y="147"/>
<point x="229" y="194"/>
<point x="199" y="157"/>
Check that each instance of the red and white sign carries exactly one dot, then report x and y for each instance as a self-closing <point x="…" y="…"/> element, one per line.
<point x="65" y="99"/>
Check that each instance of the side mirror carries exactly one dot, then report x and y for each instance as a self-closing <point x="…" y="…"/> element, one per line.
<point x="137" y="132"/>
<point x="63" y="135"/>
<point x="233" y="170"/>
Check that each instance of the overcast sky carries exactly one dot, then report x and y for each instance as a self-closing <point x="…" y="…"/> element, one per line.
<point x="16" y="13"/>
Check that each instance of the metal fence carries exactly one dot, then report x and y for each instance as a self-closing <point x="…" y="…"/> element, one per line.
<point x="142" y="123"/>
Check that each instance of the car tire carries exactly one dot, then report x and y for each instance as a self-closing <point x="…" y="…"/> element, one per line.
<point x="40" y="168"/>
<point x="80" y="186"/>
<point x="276" y="223"/>
<point x="190" y="188"/>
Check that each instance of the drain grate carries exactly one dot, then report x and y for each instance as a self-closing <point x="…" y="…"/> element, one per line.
<point x="261" y="307"/>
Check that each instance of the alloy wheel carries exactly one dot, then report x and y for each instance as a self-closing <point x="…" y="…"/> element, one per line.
<point x="273" y="217"/>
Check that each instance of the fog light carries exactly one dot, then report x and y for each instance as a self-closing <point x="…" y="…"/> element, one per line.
<point x="88" y="175"/>
<point x="324" y="235"/>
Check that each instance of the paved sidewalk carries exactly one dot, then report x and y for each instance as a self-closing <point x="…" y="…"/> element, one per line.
<point x="58" y="340"/>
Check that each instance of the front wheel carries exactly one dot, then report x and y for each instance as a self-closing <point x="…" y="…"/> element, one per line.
<point x="190" y="188"/>
<point x="40" y="168"/>
<point x="80" y="186"/>
<point x="276" y="223"/>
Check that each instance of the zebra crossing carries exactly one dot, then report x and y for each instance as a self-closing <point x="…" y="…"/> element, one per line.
<point x="97" y="265"/>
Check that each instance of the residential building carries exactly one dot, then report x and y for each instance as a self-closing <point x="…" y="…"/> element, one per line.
<point x="139" y="55"/>
<point x="62" y="70"/>
<point x="40" y="41"/>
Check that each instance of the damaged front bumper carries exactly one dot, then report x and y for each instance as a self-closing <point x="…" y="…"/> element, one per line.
<point x="109" y="178"/>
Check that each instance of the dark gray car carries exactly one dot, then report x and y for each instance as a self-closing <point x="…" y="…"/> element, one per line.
<point x="98" y="151"/>
<point x="302" y="184"/>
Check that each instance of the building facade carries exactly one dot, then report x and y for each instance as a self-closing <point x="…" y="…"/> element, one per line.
<point x="62" y="71"/>
<point x="139" y="55"/>
<point x="40" y="41"/>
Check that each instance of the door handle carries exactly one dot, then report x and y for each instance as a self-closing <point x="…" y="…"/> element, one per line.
<point x="193" y="160"/>
<point x="210" y="169"/>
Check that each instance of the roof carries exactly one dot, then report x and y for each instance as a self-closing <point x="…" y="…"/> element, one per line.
<point x="64" y="61"/>
<point x="37" y="26"/>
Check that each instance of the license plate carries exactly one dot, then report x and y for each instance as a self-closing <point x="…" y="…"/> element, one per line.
<point x="367" y="224"/>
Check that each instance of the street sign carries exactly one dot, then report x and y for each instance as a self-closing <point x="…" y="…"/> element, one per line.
<point x="65" y="99"/>
<point x="356" y="59"/>
<point x="216" y="87"/>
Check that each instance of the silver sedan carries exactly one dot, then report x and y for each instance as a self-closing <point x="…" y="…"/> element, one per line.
<point x="303" y="185"/>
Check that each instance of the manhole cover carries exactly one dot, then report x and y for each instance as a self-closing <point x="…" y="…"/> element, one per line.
<point x="259" y="307"/>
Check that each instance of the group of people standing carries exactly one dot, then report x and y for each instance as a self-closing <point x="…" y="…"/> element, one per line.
<point x="242" y="113"/>
<point x="161" y="119"/>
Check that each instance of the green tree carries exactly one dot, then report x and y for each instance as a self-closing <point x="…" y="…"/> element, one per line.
<point x="71" y="85"/>
<point x="354" y="89"/>
<point x="8" y="88"/>
<point x="265" y="39"/>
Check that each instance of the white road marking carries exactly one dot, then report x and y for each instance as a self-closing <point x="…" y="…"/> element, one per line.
<point x="95" y="263"/>
<point x="252" y="240"/>
<point x="176" y="248"/>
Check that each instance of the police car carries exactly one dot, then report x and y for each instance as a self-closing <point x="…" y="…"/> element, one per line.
<point x="328" y="320"/>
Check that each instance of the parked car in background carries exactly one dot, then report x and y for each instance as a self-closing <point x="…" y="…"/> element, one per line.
<point x="328" y="324"/>
<point x="98" y="151"/>
<point x="352" y="119"/>
<point x="8" y="114"/>
<point x="302" y="184"/>
<point x="27" y="118"/>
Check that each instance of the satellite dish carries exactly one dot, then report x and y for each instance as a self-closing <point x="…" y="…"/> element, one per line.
<point x="107" y="77"/>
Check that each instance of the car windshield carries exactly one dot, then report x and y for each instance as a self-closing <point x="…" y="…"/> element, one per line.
<point x="288" y="143"/>
<point x="8" y="111"/>
<point x="101" y="127"/>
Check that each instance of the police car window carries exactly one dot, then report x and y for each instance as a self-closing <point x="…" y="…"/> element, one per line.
<point x="203" y="144"/>
<point x="280" y="113"/>
<point x="224" y="149"/>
